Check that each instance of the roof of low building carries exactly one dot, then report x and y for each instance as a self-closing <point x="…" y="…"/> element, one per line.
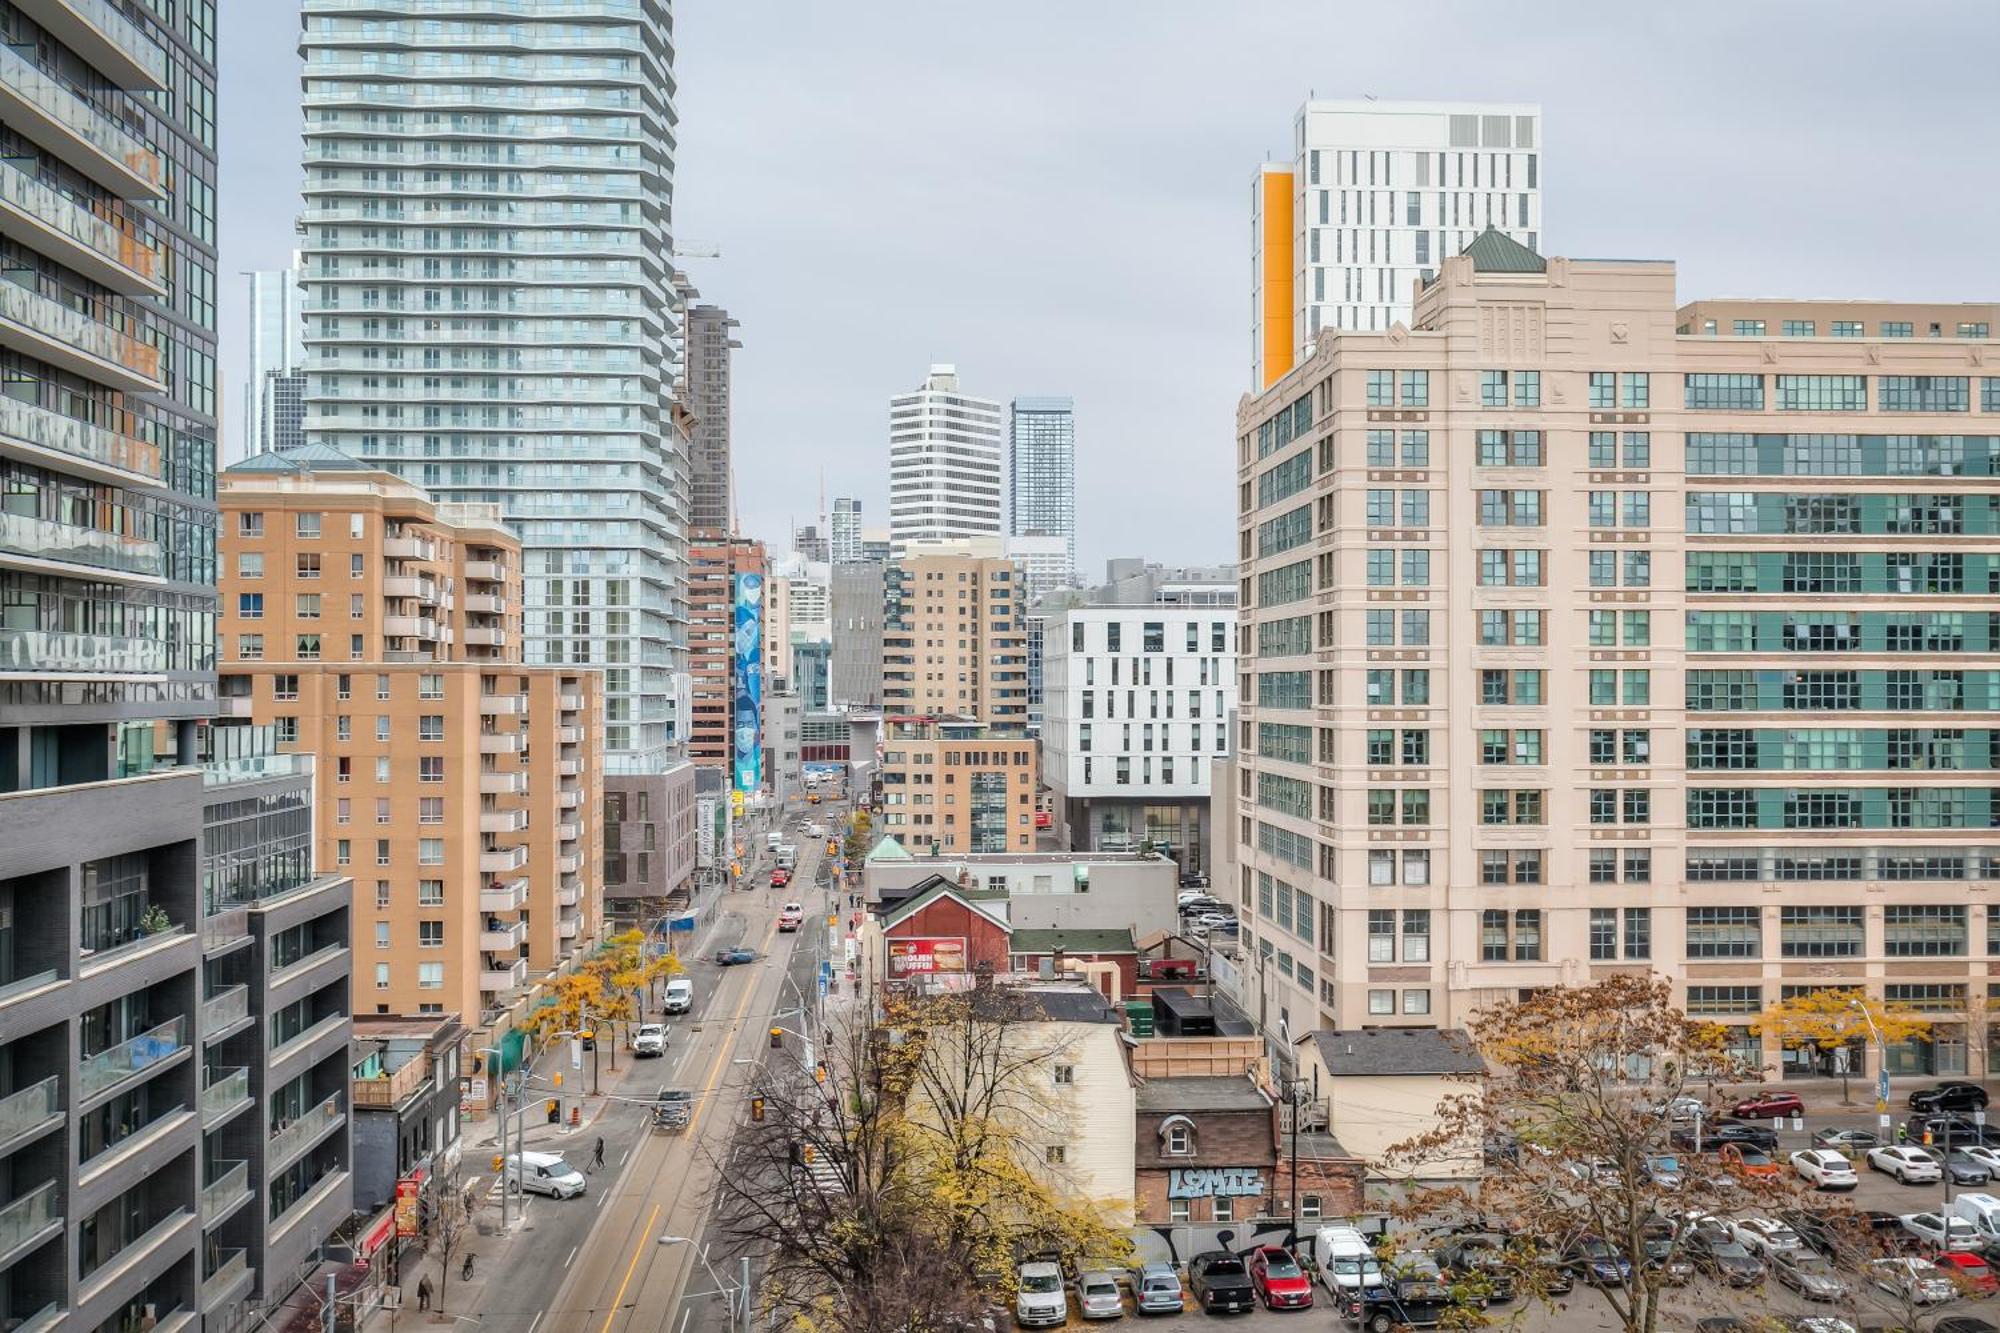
<point x="1372" y="1052"/>
<point x="1191" y="1095"/>
<point x="1059" y="1003"/>
<point x="1494" y="251"/>
<point x="314" y="457"/>
<point x="1102" y="940"/>
<point x="939" y="887"/>
<point x="888" y="850"/>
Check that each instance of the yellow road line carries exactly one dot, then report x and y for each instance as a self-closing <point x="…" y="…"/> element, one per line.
<point x="618" y="1301"/>
<point x="722" y="1051"/>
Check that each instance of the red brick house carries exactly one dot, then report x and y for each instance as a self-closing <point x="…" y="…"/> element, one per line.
<point x="1030" y="947"/>
<point x="943" y="932"/>
<point x="1206" y="1151"/>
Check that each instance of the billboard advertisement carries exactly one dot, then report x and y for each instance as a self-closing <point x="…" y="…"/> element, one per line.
<point x="706" y="828"/>
<point x="926" y="954"/>
<point x="747" y="680"/>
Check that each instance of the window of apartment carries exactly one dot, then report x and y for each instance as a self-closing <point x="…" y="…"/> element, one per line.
<point x="1510" y="509"/>
<point x="1924" y="931"/>
<point x="1725" y="392"/>
<point x="430" y="851"/>
<point x="249" y="606"/>
<point x="308" y="564"/>
<point x="1381" y="1002"/>
<point x="430" y="686"/>
<point x="1416" y="935"/>
<point x="1924" y="393"/>
<point x="430" y="893"/>
<point x="430" y="934"/>
<point x="430" y="727"/>
<point x="1381" y="936"/>
<point x="430" y="976"/>
<point x="430" y="810"/>
<point x="1510" y="448"/>
<point x="430" y="768"/>
<point x="1723" y="932"/>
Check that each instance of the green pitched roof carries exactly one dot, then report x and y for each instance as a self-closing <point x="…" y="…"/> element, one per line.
<point x="888" y="850"/>
<point x="1072" y="941"/>
<point x="1496" y="252"/>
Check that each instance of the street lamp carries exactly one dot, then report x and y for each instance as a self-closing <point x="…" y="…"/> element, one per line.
<point x="499" y="1066"/>
<point x="739" y="1316"/>
<point x="1882" y="1073"/>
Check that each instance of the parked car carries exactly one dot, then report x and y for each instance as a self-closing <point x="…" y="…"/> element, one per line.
<point x="1663" y="1169"/>
<point x="650" y="1039"/>
<point x="1717" y="1252"/>
<point x="1097" y="1295"/>
<point x="1769" y="1106"/>
<point x="1764" y="1236"/>
<point x="1986" y="1156"/>
<point x="1595" y="1168"/>
<point x="1970" y="1273"/>
<point x="1156" y="1289"/>
<point x="1941" y="1232"/>
<point x="1952" y="1096"/>
<point x="1829" y="1233"/>
<point x="1908" y="1165"/>
<point x="1658" y="1252"/>
<point x="1219" y="1280"/>
<point x="1915" y="1280"/>
<point x="1850" y="1143"/>
<point x="1885" y="1232"/>
<point x="1683" y="1108"/>
<point x="1961" y="1166"/>
<point x="1808" y="1273"/>
<point x="1478" y="1263"/>
<point x="1747" y="1159"/>
<point x="1960" y="1130"/>
<point x="1281" y="1284"/>
<point x="1824" y="1169"/>
<point x="1723" y="1130"/>
<point x="1379" y="1310"/>
<point x="1039" y="1297"/>
<point x="1347" y="1264"/>
<point x="1596" y="1261"/>
<point x="735" y="957"/>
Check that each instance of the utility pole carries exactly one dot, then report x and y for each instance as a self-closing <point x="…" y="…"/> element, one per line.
<point x="499" y="1068"/>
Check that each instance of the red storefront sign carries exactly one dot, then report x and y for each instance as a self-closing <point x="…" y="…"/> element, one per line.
<point x="407" y="1190"/>
<point x="909" y="957"/>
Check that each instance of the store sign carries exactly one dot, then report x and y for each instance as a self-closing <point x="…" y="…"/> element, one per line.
<point x="706" y="824"/>
<point x="912" y="957"/>
<point x="1227" y="1182"/>
<point x="407" y="1192"/>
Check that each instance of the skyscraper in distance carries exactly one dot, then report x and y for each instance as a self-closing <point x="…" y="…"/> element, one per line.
<point x="1376" y="193"/>
<point x="711" y="462"/>
<point x="844" y="536"/>
<point x="273" y="384"/>
<point x="944" y="463"/>
<point x="511" y="336"/>
<point x="1041" y="479"/>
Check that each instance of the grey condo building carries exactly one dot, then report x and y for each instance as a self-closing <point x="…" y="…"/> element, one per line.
<point x="274" y="381"/>
<point x="1041" y="486"/>
<point x="711" y="471"/>
<point x="147" y="1140"/>
<point x="490" y="312"/>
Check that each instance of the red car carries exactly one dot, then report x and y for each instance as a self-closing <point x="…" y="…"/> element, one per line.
<point x="1043" y="819"/>
<point x="1969" y="1273"/>
<point x="780" y="877"/>
<point x="1769" y="1106"/>
<point x="1279" y="1281"/>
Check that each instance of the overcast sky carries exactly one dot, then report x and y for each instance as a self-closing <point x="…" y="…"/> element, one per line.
<point x="1054" y="194"/>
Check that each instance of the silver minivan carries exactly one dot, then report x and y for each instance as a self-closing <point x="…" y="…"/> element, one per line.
<point x="1156" y="1289"/>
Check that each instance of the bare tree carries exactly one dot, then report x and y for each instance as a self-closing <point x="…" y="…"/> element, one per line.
<point x="447" y="1229"/>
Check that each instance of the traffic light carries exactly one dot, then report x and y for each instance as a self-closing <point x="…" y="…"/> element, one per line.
<point x="807" y="1153"/>
<point x="554" y="1111"/>
<point x="756" y="1109"/>
<point x="777" y="1039"/>
<point x="819" y="1072"/>
<point x="498" y="1161"/>
<point x="557" y="1079"/>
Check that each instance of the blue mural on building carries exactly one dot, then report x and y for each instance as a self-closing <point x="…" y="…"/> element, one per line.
<point x="747" y="683"/>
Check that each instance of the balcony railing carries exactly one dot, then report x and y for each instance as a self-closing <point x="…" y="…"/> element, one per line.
<point x="23" y="1219"/>
<point x="55" y="652"/>
<point x="391" y="1087"/>
<point x="70" y="544"/>
<point x="306" y="1037"/>
<point x="288" y="1140"/>
<point x="224" y="1090"/>
<point x="62" y="434"/>
<point x="32" y="1107"/>
<point x="305" y="962"/>
<point x="224" y="1009"/>
<point x="109" y="1067"/>
<point x="233" y="1269"/>
<point x="53" y="99"/>
<point x="223" y="928"/>
<point x="117" y="252"/>
<point x="220" y="1194"/>
<point x="53" y="320"/>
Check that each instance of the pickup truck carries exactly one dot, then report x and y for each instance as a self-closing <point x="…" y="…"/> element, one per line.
<point x="791" y="918"/>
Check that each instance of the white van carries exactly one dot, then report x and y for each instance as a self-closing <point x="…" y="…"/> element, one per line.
<point x="1983" y="1212"/>
<point x="679" y="997"/>
<point x="545" y="1173"/>
<point x="1347" y="1262"/>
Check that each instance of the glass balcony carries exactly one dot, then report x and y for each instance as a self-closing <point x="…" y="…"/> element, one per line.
<point x="108" y="1068"/>
<point x="50" y="113"/>
<point x="225" y="1090"/>
<point x="29" y="1216"/>
<point x="45" y="327"/>
<point x="49" y="652"/>
<point x="223" y="928"/>
<point x="219" y="1195"/>
<point x="110" y="251"/>
<point x="42" y="1320"/>
<point x="34" y="1107"/>
<point x="111" y="42"/>
<point x="56" y="432"/>
<point x="289" y="1140"/>
<point x="233" y="1269"/>
<point x="109" y="551"/>
<point x="224" y="1009"/>
<point x="284" y="968"/>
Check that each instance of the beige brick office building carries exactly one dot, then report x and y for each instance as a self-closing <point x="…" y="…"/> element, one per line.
<point x="1582" y="631"/>
<point x="380" y="631"/>
<point x="956" y="785"/>
<point x="955" y="637"/>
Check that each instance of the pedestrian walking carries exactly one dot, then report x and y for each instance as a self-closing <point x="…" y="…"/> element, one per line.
<point x="424" y="1292"/>
<point x="597" y="1154"/>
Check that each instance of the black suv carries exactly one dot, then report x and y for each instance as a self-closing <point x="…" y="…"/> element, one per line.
<point x="1949" y="1097"/>
<point x="1479" y="1262"/>
<point x="1218" y="1281"/>
<point x="1726" y="1129"/>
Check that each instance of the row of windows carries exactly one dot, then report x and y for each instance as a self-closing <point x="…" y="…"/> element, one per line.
<point x="1908" y="931"/>
<point x="1842" y="632"/>
<point x="1839" y="393"/>
<point x="1782" y="512"/>
<point x="1832" y="691"/>
<point x="1837" y="807"/>
<point x="1829" y="572"/>
<point x="1927" y="749"/>
<point x="1833" y="455"/>
<point x="1738" y="865"/>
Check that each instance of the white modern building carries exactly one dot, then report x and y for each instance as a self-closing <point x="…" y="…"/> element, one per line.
<point x="844" y="531"/>
<point x="1136" y="705"/>
<point x="1041" y="482"/>
<point x="944" y="464"/>
<point x="490" y="312"/>
<point x="1375" y="194"/>
<point x="272" y="408"/>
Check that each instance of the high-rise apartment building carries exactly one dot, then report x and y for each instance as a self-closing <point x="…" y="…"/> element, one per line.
<point x="944" y="464"/>
<point x="711" y="465"/>
<point x="727" y="613"/>
<point x="854" y="674"/>
<point x="1136" y="708"/>
<point x="166" y="1157"/>
<point x="1376" y="194"/>
<point x="274" y="380"/>
<point x="811" y="542"/>
<point x="1719" y="588"/>
<point x="954" y="640"/>
<point x="490" y="313"/>
<point x="955" y="785"/>
<point x="1041" y="480"/>
<point x="379" y="631"/>
<point x="844" y="531"/>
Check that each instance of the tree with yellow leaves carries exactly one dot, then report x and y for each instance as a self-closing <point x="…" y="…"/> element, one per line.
<point x="1837" y="1019"/>
<point x="605" y="988"/>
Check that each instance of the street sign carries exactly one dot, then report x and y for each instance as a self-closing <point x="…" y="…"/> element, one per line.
<point x="575" y="1053"/>
<point x="1882" y="1086"/>
<point x="822" y="985"/>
